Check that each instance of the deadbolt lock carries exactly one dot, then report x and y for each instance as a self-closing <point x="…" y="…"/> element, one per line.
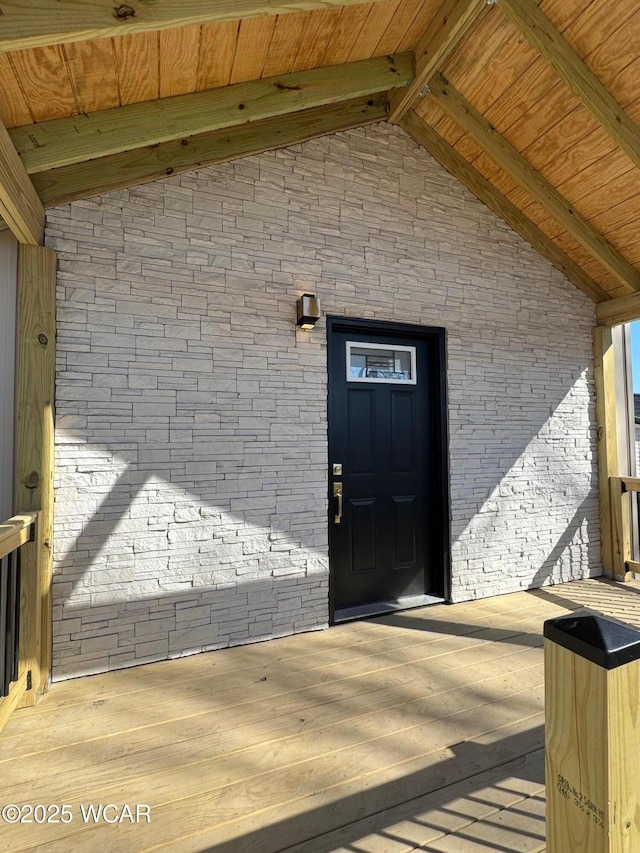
<point x="337" y="469"/>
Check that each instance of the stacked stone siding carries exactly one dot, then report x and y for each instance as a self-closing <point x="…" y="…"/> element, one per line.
<point x="191" y="434"/>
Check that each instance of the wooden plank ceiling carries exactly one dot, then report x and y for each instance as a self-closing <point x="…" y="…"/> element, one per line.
<point x="534" y="106"/>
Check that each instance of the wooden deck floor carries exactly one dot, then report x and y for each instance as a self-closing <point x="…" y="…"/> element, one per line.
<point x="419" y="730"/>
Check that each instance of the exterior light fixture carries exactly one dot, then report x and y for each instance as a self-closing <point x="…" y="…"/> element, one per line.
<point x="308" y="307"/>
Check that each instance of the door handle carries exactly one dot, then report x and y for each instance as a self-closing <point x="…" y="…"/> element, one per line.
<point x="337" y="493"/>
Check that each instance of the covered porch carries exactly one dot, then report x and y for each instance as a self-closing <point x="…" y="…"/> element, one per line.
<point x="416" y="730"/>
<point x="164" y="206"/>
<point x="457" y="181"/>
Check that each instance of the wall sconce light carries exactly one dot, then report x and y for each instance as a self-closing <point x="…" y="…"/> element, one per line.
<point x="308" y="308"/>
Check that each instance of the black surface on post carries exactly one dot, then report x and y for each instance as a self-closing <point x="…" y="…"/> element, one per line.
<point x="605" y="642"/>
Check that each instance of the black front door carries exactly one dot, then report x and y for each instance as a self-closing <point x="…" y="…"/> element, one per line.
<point x="386" y="462"/>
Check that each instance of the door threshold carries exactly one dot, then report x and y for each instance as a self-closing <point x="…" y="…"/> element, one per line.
<point x="377" y="608"/>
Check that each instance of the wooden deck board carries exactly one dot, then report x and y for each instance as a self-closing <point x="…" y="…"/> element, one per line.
<point x="191" y="716"/>
<point x="418" y="730"/>
<point x="146" y="744"/>
<point x="343" y="642"/>
<point x="239" y="691"/>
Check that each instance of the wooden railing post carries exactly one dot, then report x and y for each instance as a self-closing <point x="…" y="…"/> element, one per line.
<point x="620" y="528"/>
<point x="592" y="734"/>
<point x="621" y="491"/>
<point x="607" y="437"/>
<point x="31" y="614"/>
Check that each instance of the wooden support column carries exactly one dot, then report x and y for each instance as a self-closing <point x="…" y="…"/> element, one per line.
<point x="606" y="432"/>
<point x="620" y="528"/>
<point x="35" y="406"/>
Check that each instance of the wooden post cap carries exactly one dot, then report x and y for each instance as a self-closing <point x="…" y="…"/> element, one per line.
<point x="605" y="642"/>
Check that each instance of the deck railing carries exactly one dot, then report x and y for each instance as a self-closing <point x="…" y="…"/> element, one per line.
<point x="622" y="488"/>
<point x="9" y="617"/>
<point x="19" y="611"/>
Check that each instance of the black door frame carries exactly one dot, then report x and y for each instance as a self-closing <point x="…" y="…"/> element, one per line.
<point x="437" y="336"/>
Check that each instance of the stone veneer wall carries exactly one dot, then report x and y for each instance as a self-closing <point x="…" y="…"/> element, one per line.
<point x="191" y="476"/>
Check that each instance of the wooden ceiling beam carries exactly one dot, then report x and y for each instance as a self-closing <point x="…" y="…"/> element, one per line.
<point x="129" y="168"/>
<point x="452" y="20"/>
<point x="539" y="30"/>
<point x="20" y="206"/>
<point x="512" y="162"/>
<point x="483" y="189"/>
<point x="54" y="22"/>
<point x="624" y="309"/>
<point x="63" y="142"/>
